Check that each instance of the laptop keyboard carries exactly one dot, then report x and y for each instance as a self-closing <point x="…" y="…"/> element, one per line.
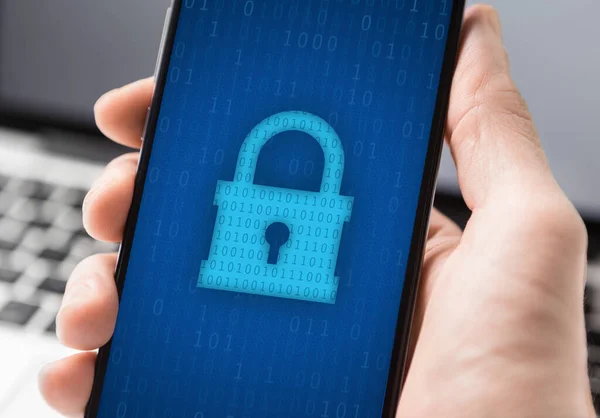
<point x="592" y="313"/>
<point x="41" y="240"/>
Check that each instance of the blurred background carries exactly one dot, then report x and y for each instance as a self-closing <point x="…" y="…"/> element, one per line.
<point x="57" y="57"/>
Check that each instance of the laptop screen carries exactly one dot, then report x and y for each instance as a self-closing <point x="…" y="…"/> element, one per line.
<point x="57" y="57"/>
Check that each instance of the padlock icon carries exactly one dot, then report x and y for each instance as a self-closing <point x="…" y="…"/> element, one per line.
<point x="279" y="242"/>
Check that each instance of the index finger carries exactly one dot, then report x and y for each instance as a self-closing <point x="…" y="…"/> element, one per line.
<point x="121" y="113"/>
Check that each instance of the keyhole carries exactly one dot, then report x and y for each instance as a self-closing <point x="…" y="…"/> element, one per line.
<point x="276" y="235"/>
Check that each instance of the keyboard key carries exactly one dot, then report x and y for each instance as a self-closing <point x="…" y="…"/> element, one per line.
<point x="594" y="274"/>
<point x="17" y="313"/>
<point x="68" y="196"/>
<point x="40" y="269"/>
<point x="20" y="187"/>
<point x="3" y="181"/>
<point x="53" y="285"/>
<point x="593" y="354"/>
<point x="42" y="191"/>
<point x="41" y="223"/>
<point x="82" y="247"/>
<point x="595" y="383"/>
<point x="64" y="270"/>
<point x="588" y="300"/>
<point x="33" y="241"/>
<point x="6" y="245"/>
<point x="52" y="327"/>
<point x="82" y="233"/>
<point x="69" y="220"/>
<point x="58" y="240"/>
<point x="11" y="231"/>
<point x="8" y="276"/>
<point x="82" y="194"/>
<point x="49" y="212"/>
<point x="20" y="260"/>
<point x="7" y="199"/>
<point x="25" y="210"/>
<point x="594" y="247"/>
<point x="53" y="255"/>
<point x="593" y="337"/>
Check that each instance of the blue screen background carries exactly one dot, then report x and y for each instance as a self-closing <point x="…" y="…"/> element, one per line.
<point x="369" y="67"/>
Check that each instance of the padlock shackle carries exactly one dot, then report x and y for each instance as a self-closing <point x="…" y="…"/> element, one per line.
<point x="318" y="128"/>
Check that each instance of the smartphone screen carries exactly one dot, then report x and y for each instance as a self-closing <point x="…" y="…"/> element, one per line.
<point x="280" y="209"/>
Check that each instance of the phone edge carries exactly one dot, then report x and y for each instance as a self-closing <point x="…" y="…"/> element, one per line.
<point x="399" y="358"/>
<point x="164" y="61"/>
<point x="412" y="276"/>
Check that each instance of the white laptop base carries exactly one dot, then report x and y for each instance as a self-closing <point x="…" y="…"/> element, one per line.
<point x="41" y="240"/>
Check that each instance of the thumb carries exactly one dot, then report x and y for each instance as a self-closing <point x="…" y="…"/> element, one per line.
<point x="490" y="131"/>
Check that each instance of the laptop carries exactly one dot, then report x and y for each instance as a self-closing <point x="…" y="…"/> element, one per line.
<point x="50" y="151"/>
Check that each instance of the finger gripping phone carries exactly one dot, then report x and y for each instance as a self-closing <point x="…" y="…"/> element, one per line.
<point x="271" y="257"/>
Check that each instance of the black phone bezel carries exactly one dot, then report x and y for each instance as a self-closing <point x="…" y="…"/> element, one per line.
<point x="398" y="370"/>
<point x="414" y="264"/>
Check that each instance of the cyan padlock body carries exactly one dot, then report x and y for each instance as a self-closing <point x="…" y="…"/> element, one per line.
<point x="239" y="251"/>
<point x="238" y="259"/>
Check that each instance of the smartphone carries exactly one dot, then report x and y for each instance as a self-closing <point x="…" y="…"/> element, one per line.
<point x="271" y="257"/>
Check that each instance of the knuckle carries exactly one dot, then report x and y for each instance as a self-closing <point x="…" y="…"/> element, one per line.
<point x="505" y="97"/>
<point x="496" y="104"/>
<point x="499" y="93"/>
<point x="90" y="302"/>
<point x="558" y="219"/>
<point x="119" y="171"/>
<point x="502" y="109"/>
<point x="87" y="273"/>
<point x="125" y="161"/>
<point x="546" y="214"/>
<point x="484" y="12"/>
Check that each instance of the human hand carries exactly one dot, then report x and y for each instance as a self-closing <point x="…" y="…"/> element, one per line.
<point x="88" y="313"/>
<point x="499" y="326"/>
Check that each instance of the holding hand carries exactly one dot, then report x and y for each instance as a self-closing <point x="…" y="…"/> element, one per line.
<point x="499" y="329"/>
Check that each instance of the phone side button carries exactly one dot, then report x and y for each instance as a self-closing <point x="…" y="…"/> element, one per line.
<point x="146" y="120"/>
